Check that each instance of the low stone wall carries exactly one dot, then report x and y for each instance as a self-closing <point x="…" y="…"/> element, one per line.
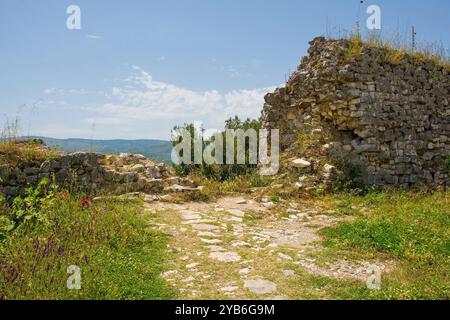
<point x="386" y="111"/>
<point x="92" y="174"/>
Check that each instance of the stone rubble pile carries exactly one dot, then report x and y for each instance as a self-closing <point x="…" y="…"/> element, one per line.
<point x="94" y="173"/>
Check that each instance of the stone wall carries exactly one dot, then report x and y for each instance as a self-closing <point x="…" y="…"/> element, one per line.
<point x="91" y="173"/>
<point x="386" y="111"/>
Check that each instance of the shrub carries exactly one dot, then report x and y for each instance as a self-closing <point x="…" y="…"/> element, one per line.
<point x="220" y="172"/>
<point x="33" y="206"/>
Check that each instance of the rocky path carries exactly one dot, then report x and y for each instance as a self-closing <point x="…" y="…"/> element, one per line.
<point x="240" y="249"/>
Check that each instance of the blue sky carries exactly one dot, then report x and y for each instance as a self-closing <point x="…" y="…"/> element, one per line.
<point x="137" y="68"/>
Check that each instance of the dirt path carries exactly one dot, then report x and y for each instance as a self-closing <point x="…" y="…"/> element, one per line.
<point x="237" y="248"/>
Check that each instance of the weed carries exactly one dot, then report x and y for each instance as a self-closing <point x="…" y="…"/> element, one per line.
<point x="354" y="49"/>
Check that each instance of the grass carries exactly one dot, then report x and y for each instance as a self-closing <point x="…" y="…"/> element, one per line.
<point x="15" y="152"/>
<point x="213" y="189"/>
<point x="119" y="257"/>
<point x="396" y="49"/>
<point x="406" y="231"/>
<point x="410" y="227"/>
<point x="355" y="49"/>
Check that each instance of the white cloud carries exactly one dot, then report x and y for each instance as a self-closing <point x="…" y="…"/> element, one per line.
<point x="57" y="91"/>
<point x="93" y="36"/>
<point x="142" y="107"/>
<point x="150" y="100"/>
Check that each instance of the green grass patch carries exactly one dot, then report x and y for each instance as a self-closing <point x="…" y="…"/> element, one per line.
<point x="412" y="228"/>
<point x="119" y="257"/>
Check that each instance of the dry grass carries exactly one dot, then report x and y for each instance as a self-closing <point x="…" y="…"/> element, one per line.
<point x="354" y="50"/>
<point x="14" y="152"/>
<point x="395" y="56"/>
<point x="396" y="49"/>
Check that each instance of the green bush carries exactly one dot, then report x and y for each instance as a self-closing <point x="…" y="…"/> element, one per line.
<point x="220" y="172"/>
<point x="37" y="200"/>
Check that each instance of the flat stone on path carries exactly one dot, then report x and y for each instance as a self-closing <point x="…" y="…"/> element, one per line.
<point x="208" y="234"/>
<point x="211" y="241"/>
<point x="236" y="212"/>
<point x="232" y="219"/>
<point x="284" y="256"/>
<point x="289" y="273"/>
<point x="269" y="205"/>
<point x="215" y="248"/>
<point x="260" y="286"/>
<point x="245" y="271"/>
<point x="240" y="244"/>
<point x="205" y="227"/>
<point x="281" y="298"/>
<point x="190" y="215"/>
<point x="229" y="289"/>
<point x="200" y="221"/>
<point x="227" y="256"/>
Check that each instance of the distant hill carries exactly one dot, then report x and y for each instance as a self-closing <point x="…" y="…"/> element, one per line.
<point x="155" y="149"/>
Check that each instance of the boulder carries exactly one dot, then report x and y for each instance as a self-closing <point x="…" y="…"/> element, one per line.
<point x="301" y="163"/>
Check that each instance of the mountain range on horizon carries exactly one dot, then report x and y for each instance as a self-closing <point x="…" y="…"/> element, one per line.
<point x="155" y="149"/>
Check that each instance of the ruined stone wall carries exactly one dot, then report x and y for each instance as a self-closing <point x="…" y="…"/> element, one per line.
<point x="387" y="111"/>
<point x="90" y="173"/>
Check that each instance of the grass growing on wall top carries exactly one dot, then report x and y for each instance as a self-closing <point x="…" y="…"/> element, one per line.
<point x="396" y="48"/>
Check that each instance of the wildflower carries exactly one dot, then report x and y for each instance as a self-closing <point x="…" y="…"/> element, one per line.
<point x="86" y="203"/>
